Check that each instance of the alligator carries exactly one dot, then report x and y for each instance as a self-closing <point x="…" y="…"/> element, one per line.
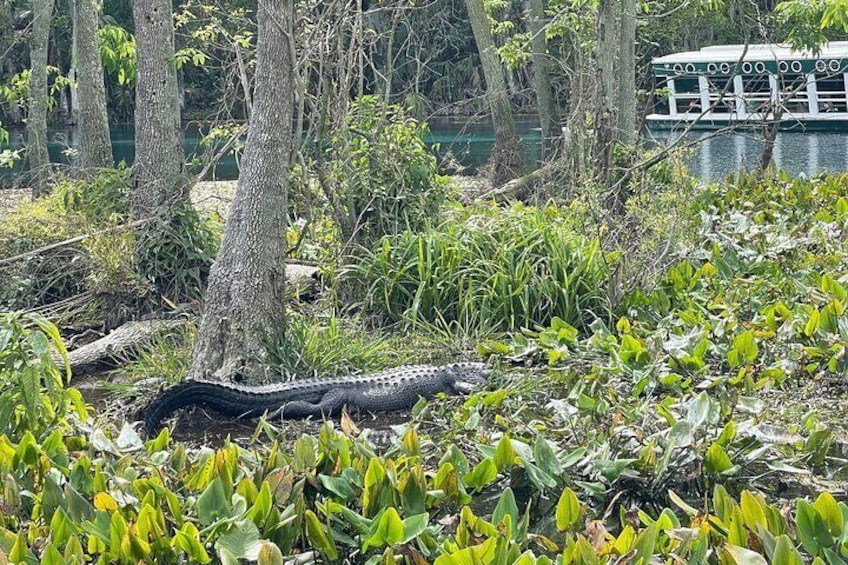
<point x="392" y="389"/>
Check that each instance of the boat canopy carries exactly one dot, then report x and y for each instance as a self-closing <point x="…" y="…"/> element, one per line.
<point x="758" y="59"/>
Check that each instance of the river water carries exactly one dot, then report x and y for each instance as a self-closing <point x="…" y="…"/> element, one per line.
<point x="463" y="144"/>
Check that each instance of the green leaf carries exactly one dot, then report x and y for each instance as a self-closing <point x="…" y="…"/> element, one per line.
<point x="545" y="457"/>
<point x="506" y="507"/>
<point x="504" y="454"/>
<point x="414" y="526"/>
<point x="318" y="537"/>
<point x="213" y="504"/>
<point x="388" y="530"/>
<point x="785" y="553"/>
<point x="717" y="460"/>
<point x="484" y="473"/>
<point x="568" y="510"/>
<point x="830" y="512"/>
<point x="752" y="511"/>
<point x="812" y="530"/>
<point x="187" y="539"/>
<point x="744" y="556"/>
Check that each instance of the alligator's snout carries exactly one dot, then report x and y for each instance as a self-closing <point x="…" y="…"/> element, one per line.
<point x="470" y="377"/>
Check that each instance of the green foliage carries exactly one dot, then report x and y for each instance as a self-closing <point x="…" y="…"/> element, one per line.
<point x="166" y="357"/>
<point x="383" y="176"/>
<point x="176" y="257"/>
<point x="117" y="49"/>
<point x="486" y="269"/>
<point x="333" y="495"/>
<point x="102" y="199"/>
<point x="33" y="399"/>
<point x="328" y="347"/>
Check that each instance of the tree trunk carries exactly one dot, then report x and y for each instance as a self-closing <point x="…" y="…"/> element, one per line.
<point x="508" y="153"/>
<point x="548" y="115"/>
<point x="605" y="120"/>
<point x="245" y="299"/>
<point x="95" y="146"/>
<point x="627" y="75"/>
<point x="39" y="160"/>
<point x="158" y="153"/>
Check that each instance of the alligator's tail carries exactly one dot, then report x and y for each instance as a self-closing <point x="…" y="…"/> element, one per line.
<point x="195" y="393"/>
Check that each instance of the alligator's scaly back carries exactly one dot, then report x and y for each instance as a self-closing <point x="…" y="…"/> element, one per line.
<point x="387" y="390"/>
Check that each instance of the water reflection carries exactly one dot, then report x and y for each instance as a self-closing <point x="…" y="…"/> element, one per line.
<point x="715" y="157"/>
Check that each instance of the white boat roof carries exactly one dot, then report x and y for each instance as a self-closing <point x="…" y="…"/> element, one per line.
<point x="756" y="52"/>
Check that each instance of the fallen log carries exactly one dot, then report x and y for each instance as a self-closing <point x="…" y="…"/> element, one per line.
<point x="114" y="348"/>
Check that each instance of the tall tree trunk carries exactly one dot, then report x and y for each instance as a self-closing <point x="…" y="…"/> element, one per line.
<point x="508" y="153"/>
<point x="95" y="147"/>
<point x="73" y="5"/>
<point x="245" y="299"/>
<point x="548" y="115"/>
<point x="627" y="75"/>
<point x="607" y="48"/>
<point x="158" y="153"/>
<point x="39" y="160"/>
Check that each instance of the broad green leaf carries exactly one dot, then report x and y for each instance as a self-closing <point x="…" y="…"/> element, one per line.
<point x="830" y="512"/>
<point x="187" y="539"/>
<point x="752" y="511"/>
<point x="317" y="536"/>
<point x="414" y="526"/>
<point x="744" y="556"/>
<point x="213" y="505"/>
<point x="506" y="506"/>
<point x="568" y="510"/>
<point x="785" y="553"/>
<point x="504" y="454"/>
<point x="484" y="473"/>
<point x="812" y="530"/>
<point x="717" y="460"/>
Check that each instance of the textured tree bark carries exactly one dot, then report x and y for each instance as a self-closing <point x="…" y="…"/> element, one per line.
<point x="39" y="160"/>
<point x="95" y="146"/>
<point x="508" y="153"/>
<point x="548" y="115"/>
<point x="605" y="119"/>
<point x="245" y="299"/>
<point x="627" y="75"/>
<point x="158" y="154"/>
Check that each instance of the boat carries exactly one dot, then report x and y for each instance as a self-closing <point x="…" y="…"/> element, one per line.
<point x="737" y="85"/>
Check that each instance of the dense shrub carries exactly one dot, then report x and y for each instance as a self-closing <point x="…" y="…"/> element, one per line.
<point x="109" y="262"/>
<point x="32" y="394"/>
<point x="486" y="269"/>
<point x="382" y="176"/>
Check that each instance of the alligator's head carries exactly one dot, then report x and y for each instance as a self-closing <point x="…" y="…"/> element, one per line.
<point x="464" y="378"/>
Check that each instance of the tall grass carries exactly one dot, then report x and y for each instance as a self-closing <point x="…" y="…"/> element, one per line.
<point x="486" y="269"/>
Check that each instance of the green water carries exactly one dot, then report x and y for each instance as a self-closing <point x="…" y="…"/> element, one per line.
<point x="460" y="144"/>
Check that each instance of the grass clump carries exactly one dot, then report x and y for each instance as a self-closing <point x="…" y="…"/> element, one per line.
<point x="328" y="347"/>
<point x="486" y="269"/>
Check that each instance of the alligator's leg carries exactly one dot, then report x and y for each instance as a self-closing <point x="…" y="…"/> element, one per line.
<point x="331" y="403"/>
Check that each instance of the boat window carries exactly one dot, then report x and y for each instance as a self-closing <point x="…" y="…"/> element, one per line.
<point x="721" y="94"/>
<point x="793" y="93"/>
<point x="756" y="92"/>
<point x="688" y="94"/>
<point x="831" y="93"/>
